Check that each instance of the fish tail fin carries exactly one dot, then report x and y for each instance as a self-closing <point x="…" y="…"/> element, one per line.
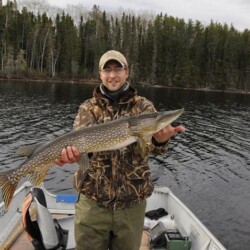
<point x="8" y="186"/>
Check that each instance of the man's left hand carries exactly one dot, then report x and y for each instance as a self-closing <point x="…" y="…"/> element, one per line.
<point x="166" y="133"/>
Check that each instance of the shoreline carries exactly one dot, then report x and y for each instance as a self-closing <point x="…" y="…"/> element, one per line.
<point x="236" y="91"/>
<point x="96" y="81"/>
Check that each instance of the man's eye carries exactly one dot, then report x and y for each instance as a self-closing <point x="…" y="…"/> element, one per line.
<point x="106" y="70"/>
<point x="116" y="70"/>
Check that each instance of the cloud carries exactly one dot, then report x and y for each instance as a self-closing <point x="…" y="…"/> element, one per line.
<point x="234" y="12"/>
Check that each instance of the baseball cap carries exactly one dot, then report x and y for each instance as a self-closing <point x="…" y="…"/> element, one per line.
<point x="113" y="55"/>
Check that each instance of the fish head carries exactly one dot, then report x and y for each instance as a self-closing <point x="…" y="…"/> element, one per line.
<point x="150" y="123"/>
<point x="165" y="118"/>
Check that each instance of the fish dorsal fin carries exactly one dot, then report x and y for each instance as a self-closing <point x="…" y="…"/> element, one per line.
<point x="29" y="149"/>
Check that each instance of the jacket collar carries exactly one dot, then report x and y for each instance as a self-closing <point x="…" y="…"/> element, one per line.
<point x="126" y="97"/>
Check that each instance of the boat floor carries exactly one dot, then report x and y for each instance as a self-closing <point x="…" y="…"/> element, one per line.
<point x="22" y="242"/>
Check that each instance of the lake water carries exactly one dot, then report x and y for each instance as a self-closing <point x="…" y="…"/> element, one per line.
<point x="207" y="167"/>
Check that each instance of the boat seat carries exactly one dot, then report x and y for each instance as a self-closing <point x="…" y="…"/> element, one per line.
<point x="67" y="223"/>
<point x="44" y="232"/>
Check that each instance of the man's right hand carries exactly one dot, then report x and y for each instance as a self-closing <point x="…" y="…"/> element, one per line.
<point x="69" y="154"/>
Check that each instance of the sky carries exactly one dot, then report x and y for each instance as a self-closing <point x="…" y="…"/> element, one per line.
<point x="235" y="12"/>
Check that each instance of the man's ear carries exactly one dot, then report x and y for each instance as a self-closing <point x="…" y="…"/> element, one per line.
<point x="127" y="72"/>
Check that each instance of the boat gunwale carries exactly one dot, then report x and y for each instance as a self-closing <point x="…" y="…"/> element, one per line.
<point x="213" y="239"/>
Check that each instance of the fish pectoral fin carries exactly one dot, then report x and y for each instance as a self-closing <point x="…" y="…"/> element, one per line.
<point x="28" y="150"/>
<point x="83" y="161"/>
<point x="8" y="185"/>
<point x="37" y="178"/>
<point x="81" y="172"/>
<point x="79" y="177"/>
<point x="143" y="144"/>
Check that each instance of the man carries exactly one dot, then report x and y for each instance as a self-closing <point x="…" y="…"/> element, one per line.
<point x="111" y="204"/>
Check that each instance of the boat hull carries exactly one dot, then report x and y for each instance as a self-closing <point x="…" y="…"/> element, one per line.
<point x="63" y="207"/>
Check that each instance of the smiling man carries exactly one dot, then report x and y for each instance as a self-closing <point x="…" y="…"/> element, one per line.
<point x="109" y="213"/>
<point x="113" y="73"/>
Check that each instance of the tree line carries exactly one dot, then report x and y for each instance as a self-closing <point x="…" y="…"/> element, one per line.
<point x="160" y="50"/>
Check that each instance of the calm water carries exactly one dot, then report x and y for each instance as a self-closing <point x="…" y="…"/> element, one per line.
<point x="208" y="167"/>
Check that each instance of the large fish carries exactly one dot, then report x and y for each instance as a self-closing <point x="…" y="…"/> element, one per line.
<point x="102" y="137"/>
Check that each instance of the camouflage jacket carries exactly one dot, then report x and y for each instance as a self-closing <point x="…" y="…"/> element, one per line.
<point x="119" y="178"/>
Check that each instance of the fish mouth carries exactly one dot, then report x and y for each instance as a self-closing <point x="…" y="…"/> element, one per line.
<point x="167" y="117"/>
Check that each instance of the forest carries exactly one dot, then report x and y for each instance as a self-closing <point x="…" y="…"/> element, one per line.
<point x="161" y="50"/>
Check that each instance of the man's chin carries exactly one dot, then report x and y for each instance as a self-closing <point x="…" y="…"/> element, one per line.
<point x="114" y="87"/>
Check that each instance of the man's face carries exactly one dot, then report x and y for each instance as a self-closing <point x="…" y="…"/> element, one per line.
<point x="113" y="75"/>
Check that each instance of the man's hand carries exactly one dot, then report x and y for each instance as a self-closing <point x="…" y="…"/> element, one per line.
<point x="166" y="133"/>
<point x="69" y="154"/>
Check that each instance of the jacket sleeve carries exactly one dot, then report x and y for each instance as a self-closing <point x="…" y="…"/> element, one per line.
<point x="85" y="117"/>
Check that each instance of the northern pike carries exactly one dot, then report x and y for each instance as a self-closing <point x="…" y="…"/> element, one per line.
<point x="101" y="137"/>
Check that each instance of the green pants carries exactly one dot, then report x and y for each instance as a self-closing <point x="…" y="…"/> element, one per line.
<point x="97" y="228"/>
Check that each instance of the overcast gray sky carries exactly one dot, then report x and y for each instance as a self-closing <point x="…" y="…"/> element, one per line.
<point x="236" y="12"/>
